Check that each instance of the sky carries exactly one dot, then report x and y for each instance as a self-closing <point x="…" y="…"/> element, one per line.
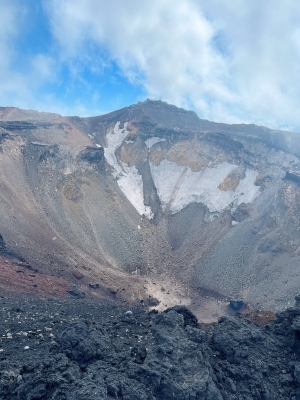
<point x="234" y="61"/>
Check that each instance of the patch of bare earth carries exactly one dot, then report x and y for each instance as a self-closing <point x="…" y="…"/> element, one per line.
<point x="19" y="277"/>
<point x="232" y="180"/>
<point x="261" y="317"/>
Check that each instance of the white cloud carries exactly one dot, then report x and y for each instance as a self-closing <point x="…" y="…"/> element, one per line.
<point x="8" y="31"/>
<point x="263" y="38"/>
<point x="167" y="48"/>
<point x="229" y="60"/>
<point x="44" y="67"/>
<point x="20" y="75"/>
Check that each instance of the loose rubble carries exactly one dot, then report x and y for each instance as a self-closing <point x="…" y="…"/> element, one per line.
<point x="79" y="349"/>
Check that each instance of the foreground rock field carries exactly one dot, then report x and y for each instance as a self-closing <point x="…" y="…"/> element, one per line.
<point x="81" y="349"/>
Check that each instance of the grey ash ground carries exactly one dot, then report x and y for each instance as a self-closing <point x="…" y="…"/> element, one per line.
<point x="83" y="349"/>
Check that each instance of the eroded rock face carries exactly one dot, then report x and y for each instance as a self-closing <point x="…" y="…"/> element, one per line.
<point x="154" y="202"/>
<point x="82" y="349"/>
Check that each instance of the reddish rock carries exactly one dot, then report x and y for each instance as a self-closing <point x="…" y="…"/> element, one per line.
<point x="77" y="275"/>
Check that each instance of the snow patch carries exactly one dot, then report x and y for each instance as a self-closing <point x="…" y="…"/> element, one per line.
<point x="114" y="140"/>
<point x="131" y="184"/>
<point x="128" y="178"/>
<point x="151" y="141"/>
<point x="67" y="171"/>
<point x="177" y="186"/>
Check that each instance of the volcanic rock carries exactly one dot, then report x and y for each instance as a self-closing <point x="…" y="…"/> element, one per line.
<point x="87" y="349"/>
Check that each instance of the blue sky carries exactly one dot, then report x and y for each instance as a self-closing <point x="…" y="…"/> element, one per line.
<point x="228" y="60"/>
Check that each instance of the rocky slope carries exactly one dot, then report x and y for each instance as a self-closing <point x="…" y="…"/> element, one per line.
<point x="152" y="204"/>
<point x="86" y="350"/>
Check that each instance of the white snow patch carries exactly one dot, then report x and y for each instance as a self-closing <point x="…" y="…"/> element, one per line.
<point x="131" y="184"/>
<point x="114" y="140"/>
<point x="67" y="171"/>
<point x="151" y="141"/>
<point x="246" y="188"/>
<point x="128" y="178"/>
<point x="177" y="186"/>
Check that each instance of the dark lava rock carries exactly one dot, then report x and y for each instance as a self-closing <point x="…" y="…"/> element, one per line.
<point x="241" y="213"/>
<point x="188" y="317"/>
<point x="94" y="285"/>
<point x="83" y="342"/>
<point x="82" y="349"/>
<point x="76" y="292"/>
<point x="236" y="305"/>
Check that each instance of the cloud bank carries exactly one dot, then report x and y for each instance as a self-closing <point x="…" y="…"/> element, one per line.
<point x="229" y="60"/>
